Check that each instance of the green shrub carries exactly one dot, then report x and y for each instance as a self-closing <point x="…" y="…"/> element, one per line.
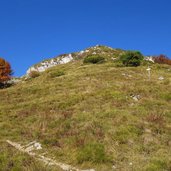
<point x="56" y="73"/>
<point x="166" y="97"/>
<point x="93" y="152"/>
<point x="124" y="133"/>
<point x="157" y="165"/>
<point x="131" y="58"/>
<point x="94" y="59"/>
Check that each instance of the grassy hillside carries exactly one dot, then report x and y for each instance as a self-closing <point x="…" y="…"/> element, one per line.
<point x="87" y="117"/>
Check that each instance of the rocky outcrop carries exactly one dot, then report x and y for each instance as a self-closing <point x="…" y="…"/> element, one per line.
<point x="50" y="63"/>
<point x="149" y="58"/>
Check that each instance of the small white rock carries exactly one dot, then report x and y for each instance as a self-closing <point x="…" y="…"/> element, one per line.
<point x="135" y="97"/>
<point x="113" y="167"/>
<point x="81" y="52"/>
<point x="161" y="78"/>
<point x="38" y="146"/>
<point x="148" y="69"/>
<point x="130" y="164"/>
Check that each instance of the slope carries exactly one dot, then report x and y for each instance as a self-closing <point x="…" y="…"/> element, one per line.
<point x="101" y="116"/>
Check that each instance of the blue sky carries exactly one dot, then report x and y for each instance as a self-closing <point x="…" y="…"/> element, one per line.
<point x="33" y="30"/>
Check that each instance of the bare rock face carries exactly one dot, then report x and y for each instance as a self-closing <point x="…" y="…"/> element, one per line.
<point x="50" y="63"/>
<point x="149" y="58"/>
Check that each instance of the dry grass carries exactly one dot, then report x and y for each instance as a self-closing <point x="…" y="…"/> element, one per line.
<point x="89" y="105"/>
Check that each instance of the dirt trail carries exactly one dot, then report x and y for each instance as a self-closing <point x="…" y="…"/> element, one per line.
<point x="31" y="149"/>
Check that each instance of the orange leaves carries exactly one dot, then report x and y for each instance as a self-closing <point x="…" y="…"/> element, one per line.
<point x="162" y="59"/>
<point x="5" y="70"/>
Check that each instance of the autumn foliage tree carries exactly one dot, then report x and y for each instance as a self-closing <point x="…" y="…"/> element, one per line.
<point x="162" y="59"/>
<point x="5" y="72"/>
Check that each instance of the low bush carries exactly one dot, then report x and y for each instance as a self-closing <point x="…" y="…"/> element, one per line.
<point x="166" y="97"/>
<point x="131" y="58"/>
<point x="157" y="165"/>
<point x="124" y="133"/>
<point x="93" y="152"/>
<point x="56" y="73"/>
<point x="94" y="59"/>
<point x="34" y="74"/>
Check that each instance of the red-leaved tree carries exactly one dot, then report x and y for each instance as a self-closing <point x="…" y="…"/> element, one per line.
<point x="5" y="71"/>
<point x="162" y="59"/>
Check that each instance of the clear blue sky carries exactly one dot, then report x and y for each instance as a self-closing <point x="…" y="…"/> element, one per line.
<point x="33" y="30"/>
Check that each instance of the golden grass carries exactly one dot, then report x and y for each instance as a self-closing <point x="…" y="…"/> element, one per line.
<point x="91" y="104"/>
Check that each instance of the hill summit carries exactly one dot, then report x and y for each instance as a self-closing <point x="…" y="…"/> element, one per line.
<point x="100" y="50"/>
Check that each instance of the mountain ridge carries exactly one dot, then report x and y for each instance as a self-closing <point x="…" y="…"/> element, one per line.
<point x="101" y="50"/>
<point x="65" y="58"/>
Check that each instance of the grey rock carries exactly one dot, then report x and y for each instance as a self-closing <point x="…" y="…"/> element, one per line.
<point x="51" y="63"/>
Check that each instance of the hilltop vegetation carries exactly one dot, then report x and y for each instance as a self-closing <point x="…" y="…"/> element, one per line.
<point x="103" y="52"/>
<point x="103" y="116"/>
